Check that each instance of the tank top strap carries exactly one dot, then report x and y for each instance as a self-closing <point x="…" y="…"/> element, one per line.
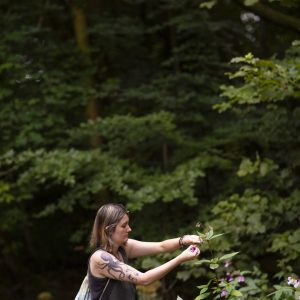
<point x="88" y="262"/>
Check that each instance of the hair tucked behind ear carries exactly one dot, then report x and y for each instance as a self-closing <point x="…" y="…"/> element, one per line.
<point x="106" y="220"/>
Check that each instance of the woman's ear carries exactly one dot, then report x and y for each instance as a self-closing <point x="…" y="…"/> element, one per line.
<point x="109" y="230"/>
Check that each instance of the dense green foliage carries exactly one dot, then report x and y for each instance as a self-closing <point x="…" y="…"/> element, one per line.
<point x="126" y="107"/>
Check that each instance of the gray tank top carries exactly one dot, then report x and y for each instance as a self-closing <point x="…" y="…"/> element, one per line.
<point x="115" y="290"/>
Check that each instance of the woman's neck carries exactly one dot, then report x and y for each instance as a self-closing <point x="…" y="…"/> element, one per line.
<point x="115" y="249"/>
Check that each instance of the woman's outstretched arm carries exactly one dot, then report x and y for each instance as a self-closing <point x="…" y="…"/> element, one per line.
<point x="104" y="264"/>
<point x="135" y="248"/>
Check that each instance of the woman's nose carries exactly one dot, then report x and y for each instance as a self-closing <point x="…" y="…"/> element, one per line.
<point x="129" y="229"/>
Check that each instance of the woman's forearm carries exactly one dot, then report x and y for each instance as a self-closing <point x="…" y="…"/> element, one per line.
<point x="158" y="272"/>
<point x="170" y="245"/>
<point x="173" y="244"/>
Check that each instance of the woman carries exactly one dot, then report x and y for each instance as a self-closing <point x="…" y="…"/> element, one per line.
<point x="110" y="277"/>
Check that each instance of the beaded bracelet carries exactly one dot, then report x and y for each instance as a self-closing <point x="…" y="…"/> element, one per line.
<point x="181" y="244"/>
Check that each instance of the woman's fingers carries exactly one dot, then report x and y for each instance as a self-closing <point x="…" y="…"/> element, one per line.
<point x="194" y="250"/>
<point x="192" y="239"/>
<point x="190" y="253"/>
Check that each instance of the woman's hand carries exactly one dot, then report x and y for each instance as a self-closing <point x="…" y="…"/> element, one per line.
<point x="191" y="240"/>
<point x="190" y="253"/>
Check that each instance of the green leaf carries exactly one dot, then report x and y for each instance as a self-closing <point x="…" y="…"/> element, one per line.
<point x="203" y="290"/>
<point x="209" y="234"/>
<point x="202" y="286"/>
<point x="202" y="261"/>
<point x="250" y="2"/>
<point x="201" y="235"/>
<point x="213" y="266"/>
<point x="236" y="293"/>
<point x="227" y="256"/>
<point x="208" y="4"/>
<point x="202" y="296"/>
<point x="217" y="235"/>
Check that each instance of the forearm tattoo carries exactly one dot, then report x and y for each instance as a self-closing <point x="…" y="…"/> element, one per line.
<point x="116" y="268"/>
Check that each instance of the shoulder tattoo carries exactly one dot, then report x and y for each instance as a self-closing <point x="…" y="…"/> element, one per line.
<point x="117" y="269"/>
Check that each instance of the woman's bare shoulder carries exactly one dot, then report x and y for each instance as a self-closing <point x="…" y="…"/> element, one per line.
<point x="101" y="256"/>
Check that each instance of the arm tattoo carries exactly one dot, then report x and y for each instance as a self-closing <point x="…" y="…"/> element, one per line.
<point x="120" y="269"/>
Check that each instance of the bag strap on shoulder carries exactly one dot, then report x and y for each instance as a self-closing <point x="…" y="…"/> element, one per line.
<point x="104" y="289"/>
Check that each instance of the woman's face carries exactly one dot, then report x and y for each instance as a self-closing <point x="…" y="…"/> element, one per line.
<point x="120" y="235"/>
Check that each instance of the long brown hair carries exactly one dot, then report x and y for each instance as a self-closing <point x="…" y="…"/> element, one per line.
<point x="106" y="220"/>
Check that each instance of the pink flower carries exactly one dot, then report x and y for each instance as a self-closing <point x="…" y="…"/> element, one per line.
<point x="290" y="280"/>
<point x="227" y="263"/>
<point x="224" y="293"/>
<point x="193" y="249"/>
<point x="296" y="283"/>
<point x="241" y="278"/>
<point x="229" y="276"/>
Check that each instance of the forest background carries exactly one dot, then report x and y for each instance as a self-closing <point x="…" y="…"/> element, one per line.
<point x="136" y="102"/>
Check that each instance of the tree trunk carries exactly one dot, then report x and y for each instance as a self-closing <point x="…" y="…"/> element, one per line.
<point x="80" y="30"/>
